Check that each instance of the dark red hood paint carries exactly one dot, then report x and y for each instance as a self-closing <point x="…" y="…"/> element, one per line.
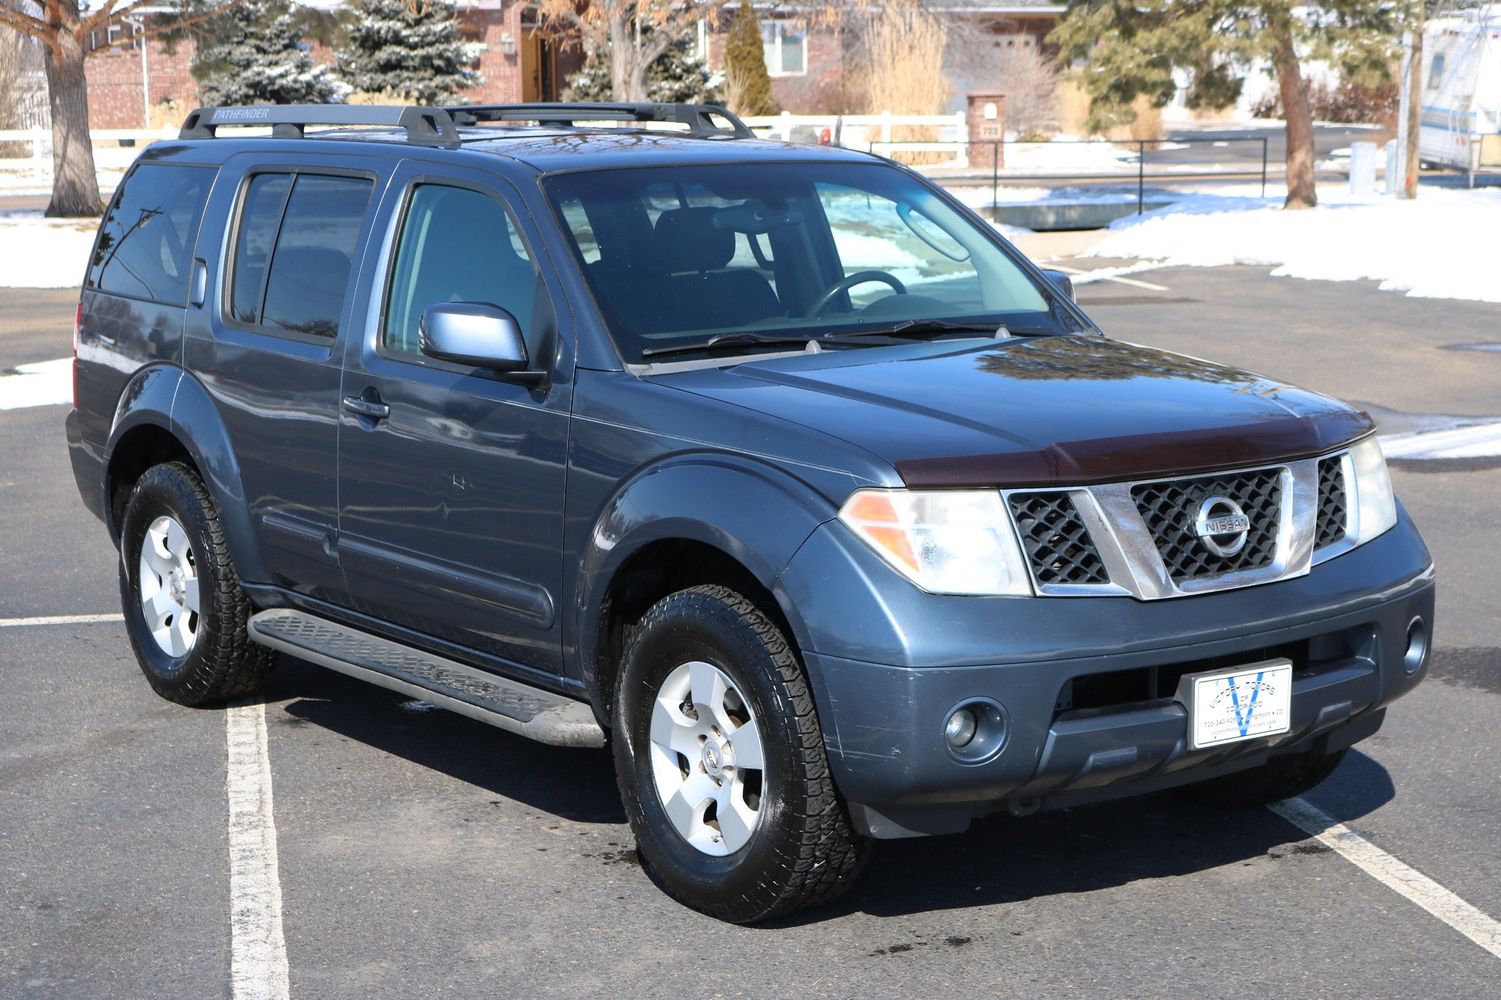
<point x="1041" y="412"/>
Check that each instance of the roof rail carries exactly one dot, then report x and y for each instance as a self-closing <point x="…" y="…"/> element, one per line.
<point x="427" y="126"/>
<point x="700" y="118"/>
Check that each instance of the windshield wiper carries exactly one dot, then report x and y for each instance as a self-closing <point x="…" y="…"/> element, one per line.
<point x="927" y="327"/>
<point x="724" y="340"/>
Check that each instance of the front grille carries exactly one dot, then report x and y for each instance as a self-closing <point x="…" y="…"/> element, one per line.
<point x="1169" y="510"/>
<point x="1055" y="539"/>
<point x="1332" y="503"/>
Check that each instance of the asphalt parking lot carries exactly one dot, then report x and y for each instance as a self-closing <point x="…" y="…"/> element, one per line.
<point x="422" y="854"/>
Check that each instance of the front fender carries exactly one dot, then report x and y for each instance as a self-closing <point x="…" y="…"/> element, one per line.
<point x="754" y="512"/>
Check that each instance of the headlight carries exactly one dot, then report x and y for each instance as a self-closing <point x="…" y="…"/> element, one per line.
<point x="1375" y="506"/>
<point x="946" y="542"/>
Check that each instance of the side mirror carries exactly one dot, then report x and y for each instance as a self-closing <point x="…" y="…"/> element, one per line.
<point x="477" y="334"/>
<point x="1061" y="281"/>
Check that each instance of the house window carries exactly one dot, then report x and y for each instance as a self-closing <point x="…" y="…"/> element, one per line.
<point x="786" y="47"/>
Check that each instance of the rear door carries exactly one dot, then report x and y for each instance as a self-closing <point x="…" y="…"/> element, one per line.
<point x="451" y="496"/>
<point x="264" y="345"/>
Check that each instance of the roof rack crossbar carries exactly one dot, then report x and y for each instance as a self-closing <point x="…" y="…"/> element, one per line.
<point x="700" y="118"/>
<point x="426" y="126"/>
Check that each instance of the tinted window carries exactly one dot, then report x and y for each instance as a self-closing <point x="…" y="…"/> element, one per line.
<point x="259" y="218"/>
<point x="456" y="245"/>
<point x="296" y="280"/>
<point x="676" y="256"/>
<point x="146" y="239"/>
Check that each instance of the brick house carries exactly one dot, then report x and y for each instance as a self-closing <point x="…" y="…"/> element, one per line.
<point x="810" y="55"/>
<point x="129" y="77"/>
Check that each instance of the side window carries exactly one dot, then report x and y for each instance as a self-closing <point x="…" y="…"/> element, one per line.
<point x="146" y="239"/>
<point x="296" y="245"/>
<point x="259" y="217"/>
<point x="456" y="245"/>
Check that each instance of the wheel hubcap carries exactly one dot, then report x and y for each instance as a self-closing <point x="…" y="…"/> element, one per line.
<point x="706" y="759"/>
<point x="168" y="584"/>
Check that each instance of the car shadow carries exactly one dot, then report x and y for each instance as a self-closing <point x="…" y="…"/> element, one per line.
<point x="493" y="759"/>
<point x="1001" y="859"/>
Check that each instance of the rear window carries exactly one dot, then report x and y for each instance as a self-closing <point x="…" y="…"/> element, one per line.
<point x="294" y="249"/>
<point x="145" y="245"/>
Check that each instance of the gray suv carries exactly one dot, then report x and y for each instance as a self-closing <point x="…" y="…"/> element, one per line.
<point x="772" y="467"/>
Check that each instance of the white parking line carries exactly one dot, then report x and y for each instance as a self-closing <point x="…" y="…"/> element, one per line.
<point x="257" y="948"/>
<point x="61" y="620"/>
<point x="1401" y="878"/>
<point x="1115" y="274"/>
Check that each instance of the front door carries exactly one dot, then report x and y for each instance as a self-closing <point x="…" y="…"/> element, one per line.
<point x="450" y="477"/>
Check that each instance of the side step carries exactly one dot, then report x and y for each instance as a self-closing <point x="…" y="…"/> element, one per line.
<point x="510" y="705"/>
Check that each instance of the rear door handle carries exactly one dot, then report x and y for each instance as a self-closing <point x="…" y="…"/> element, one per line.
<point x="372" y="408"/>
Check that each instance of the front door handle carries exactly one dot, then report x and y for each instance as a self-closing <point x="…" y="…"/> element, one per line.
<point x="372" y="408"/>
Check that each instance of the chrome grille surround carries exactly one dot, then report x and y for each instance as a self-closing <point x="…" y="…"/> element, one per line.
<point x="1134" y="562"/>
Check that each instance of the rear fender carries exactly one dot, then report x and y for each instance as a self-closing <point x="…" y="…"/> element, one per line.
<point x="169" y="398"/>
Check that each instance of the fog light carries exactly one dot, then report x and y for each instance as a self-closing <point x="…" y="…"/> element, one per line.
<point x="960" y="729"/>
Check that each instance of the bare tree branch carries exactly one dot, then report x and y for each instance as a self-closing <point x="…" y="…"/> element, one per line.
<point x="23" y="22"/>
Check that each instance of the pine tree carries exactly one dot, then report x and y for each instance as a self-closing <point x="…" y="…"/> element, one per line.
<point x="252" y="54"/>
<point x="747" y="83"/>
<point x="408" y="49"/>
<point x="1131" y="47"/>
<point x="675" y="77"/>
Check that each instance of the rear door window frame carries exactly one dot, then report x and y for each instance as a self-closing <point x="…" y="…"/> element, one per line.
<point x="232" y="247"/>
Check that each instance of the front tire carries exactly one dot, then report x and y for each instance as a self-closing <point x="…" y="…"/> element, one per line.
<point x="721" y="762"/>
<point x="184" y="609"/>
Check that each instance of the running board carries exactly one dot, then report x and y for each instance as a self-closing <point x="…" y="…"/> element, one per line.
<point x="510" y="705"/>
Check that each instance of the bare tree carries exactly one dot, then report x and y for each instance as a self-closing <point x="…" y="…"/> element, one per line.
<point x="980" y="59"/>
<point x="633" y="32"/>
<point x="61" y="26"/>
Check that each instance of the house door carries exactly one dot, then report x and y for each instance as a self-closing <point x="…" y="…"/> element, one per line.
<point x="537" y="67"/>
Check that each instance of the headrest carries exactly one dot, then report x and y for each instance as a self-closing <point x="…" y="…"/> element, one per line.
<point x="686" y="240"/>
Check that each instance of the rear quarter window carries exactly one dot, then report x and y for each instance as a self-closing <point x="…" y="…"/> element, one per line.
<point x="146" y="238"/>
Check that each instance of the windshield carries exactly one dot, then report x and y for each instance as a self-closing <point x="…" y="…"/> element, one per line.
<point x="676" y="256"/>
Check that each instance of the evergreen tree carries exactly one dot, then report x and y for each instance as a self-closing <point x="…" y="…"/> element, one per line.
<point x="674" y="77"/>
<point x="409" y="49"/>
<point x="1131" y="47"/>
<point x="252" y="54"/>
<point x="747" y="83"/>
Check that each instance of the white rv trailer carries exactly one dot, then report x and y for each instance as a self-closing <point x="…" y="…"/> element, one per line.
<point x="1461" y="125"/>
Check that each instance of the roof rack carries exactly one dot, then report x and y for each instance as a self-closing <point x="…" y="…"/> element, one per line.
<point x="427" y="126"/>
<point x="700" y="118"/>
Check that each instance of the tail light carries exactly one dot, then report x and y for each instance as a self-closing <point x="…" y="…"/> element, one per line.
<point x="77" y="331"/>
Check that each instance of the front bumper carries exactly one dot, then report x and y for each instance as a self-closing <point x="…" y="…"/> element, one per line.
<point x="1087" y="684"/>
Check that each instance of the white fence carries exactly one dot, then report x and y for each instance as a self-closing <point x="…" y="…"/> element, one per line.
<point x="861" y="131"/>
<point x="114" y="149"/>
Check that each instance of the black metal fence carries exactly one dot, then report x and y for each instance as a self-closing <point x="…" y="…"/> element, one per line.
<point x="1245" y="159"/>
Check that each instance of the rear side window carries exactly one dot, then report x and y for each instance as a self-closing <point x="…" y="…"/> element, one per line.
<point x="145" y="245"/>
<point x="294" y="249"/>
<point x="457" y="245"/>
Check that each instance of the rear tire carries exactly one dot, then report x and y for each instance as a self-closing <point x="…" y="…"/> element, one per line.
<point x="184" y="609"/>
<point x="1279" y="778"/>
<point x="706" y="671"/>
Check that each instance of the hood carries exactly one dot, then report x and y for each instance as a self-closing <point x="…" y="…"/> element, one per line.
<point x="1046" y="411"/>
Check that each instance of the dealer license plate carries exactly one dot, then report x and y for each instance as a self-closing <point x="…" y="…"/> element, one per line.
<point x="1242" y="703"/>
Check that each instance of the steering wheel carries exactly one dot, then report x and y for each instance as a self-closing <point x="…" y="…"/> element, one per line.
<point x="847" y="282"/>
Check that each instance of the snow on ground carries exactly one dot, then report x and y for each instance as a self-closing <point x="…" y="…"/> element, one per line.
<point x="43" y="253"/>
<point x="31" y="176"/>
<point x="1441" y="245"/>
<point x="41" y="384"/>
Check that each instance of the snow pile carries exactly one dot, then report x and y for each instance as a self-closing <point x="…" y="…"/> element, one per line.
<point x="1068" y="156"/>
<point x="43" y="253"/>
<point x="40" y="384"/>
<point x="1442" y="245"/>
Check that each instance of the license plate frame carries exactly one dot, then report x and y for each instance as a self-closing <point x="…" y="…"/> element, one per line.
<point x="1236" y="704"/>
